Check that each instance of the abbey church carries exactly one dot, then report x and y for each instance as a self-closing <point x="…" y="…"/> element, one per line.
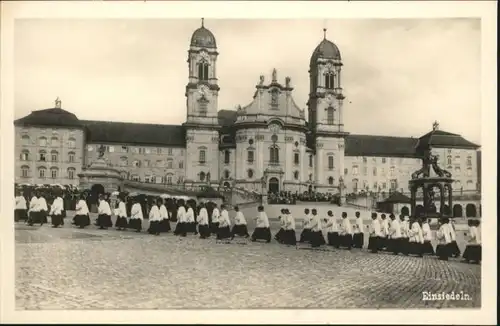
<point x="267" y="144"/>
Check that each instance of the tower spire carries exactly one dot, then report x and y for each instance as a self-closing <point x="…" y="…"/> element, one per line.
<point x="324" y="33"/>
<point x="203" y="22"/>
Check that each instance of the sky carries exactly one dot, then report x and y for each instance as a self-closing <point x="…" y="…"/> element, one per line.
<point x="399" y="75"/>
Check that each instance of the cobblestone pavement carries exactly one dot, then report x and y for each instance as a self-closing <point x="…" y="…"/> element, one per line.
<point x="68" y="268"/>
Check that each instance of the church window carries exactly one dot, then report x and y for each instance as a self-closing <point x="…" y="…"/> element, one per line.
<point x="296" y="157"/>
<point x="203" y="107"/>
<point x="203" y="71"/>
<point x="169" y="179"/>
<point x="330" y="162"/>
<point x="53" y="172"/>
<point x="250" y="174"/>
<point x="250" y="156"/>
<point x="42" y="156"/>
<point x="25" y="155"/>
<point x="448" y="159"/>
<point x="25" y="171"/>
<point x="329" y="80"/>
<point x="202" y="176"/>
<point x="274" y="154"/>
<point x="330" y="115"/>
<point x="227" y="157"/>
<point x="41" y="172"/>
<point x="42" y="141"/>
<point x="330" y="180"/>
<point x="226" y="174"/>
<point x="296" y="175"/>
<point x="274" y="99"/>
<point x="202" y="157"/>
<point x="26" y="140"/>
<point x="469" y="160"/>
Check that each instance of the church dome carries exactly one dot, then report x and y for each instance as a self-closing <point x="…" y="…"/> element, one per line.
<point x="327" y="50"/>
<point x="203" y="38"/>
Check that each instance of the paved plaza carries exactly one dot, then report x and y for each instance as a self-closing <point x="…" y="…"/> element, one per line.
<point x="69" y="268"/>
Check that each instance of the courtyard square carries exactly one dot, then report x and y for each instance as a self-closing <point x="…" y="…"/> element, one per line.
<point x="70" y="268"/>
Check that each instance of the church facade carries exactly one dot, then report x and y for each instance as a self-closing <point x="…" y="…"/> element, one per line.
<point x="266" y="145"/>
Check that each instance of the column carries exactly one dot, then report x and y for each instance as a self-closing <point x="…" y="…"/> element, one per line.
<point x="450" y="199"/>
<point x="441" y="198"/>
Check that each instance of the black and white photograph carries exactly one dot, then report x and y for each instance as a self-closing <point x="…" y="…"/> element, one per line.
<point x="177" y="161"/>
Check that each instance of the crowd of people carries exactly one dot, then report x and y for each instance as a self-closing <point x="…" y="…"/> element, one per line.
<point x="398" y="235"/>
<point x="291" y="198"/>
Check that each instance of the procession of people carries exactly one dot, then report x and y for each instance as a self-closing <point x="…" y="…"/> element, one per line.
<point x="409" y="236"/>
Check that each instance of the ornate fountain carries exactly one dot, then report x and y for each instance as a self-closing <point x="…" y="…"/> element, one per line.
<point x="436" y="186"/>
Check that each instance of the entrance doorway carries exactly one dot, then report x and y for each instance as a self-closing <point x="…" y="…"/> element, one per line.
<point x="274" y="185"/>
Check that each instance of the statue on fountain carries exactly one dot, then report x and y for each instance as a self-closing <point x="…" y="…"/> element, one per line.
<point x="101" y="152"/>
<point x="424" y="172"/>
<point x="440" y="172"/>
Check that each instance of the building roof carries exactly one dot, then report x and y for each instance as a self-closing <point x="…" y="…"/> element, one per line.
<point x="440" y="138"/>
<point x="135" y="133"/>
<point x="327" y="50"/>
<point x="49" y="117"/>
<point x="397" y="197"/>
<point x="370" y="145"/>
<point x="203" y="38"/>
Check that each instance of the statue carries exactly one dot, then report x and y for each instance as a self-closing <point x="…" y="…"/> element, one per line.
<point x="101" y="151"/>
<point x="435" y="126"/>
<point x="426" y="165"/>
<point x="440" y="172"/>
<point x="261" y="82"/>
<point x="287" y="82"/>
<point x="58" y="103"/>
<point x="275" y="78"/>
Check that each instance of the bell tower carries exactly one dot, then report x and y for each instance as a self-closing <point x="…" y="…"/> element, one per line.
<point x="202" y="126"/>
<point x="325" y="107"/>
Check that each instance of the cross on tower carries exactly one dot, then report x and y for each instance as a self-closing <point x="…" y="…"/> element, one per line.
<point x="435" y="126"/>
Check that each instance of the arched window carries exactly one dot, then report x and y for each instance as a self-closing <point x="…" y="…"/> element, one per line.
<point x="250" y="174"/>
<point x="25" y="155"/>
<point x="227" y="157"/>
<point x="296" y="158"/>
<point x="71" y="157"/>
<point x="71" y="173"/>
<point x="329" y="80"/>
<point x="296" y="175"/>
<point x="54" y="156"/>
<point x="448" y="160"/>
<point x="250" y="156"/>
<point x="25" y="171"/>
<point x="123" y="161"/>
<point x="42" y="156"/>
<point x="72" y="143"/>
<point x="203" y="70"/>
<point x="42" y="141"/>
<point x="42" y="171"/>
<point x="226" y="174"/>
<point x="169" y="179"/>
<point x="202" y="176"/>
<point x="202" y="156"/>
<point x="54" y="141"/>
<point x="25" y="140"/>
<point x="170" y="163"/>
<point x="355" y="185"/>
<point x="330" y="119"/>
<point x="53" y="172"/>
<point x="274" y="154"/>
<point x="330" y="180"/>
<point x="330" y="162"/>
